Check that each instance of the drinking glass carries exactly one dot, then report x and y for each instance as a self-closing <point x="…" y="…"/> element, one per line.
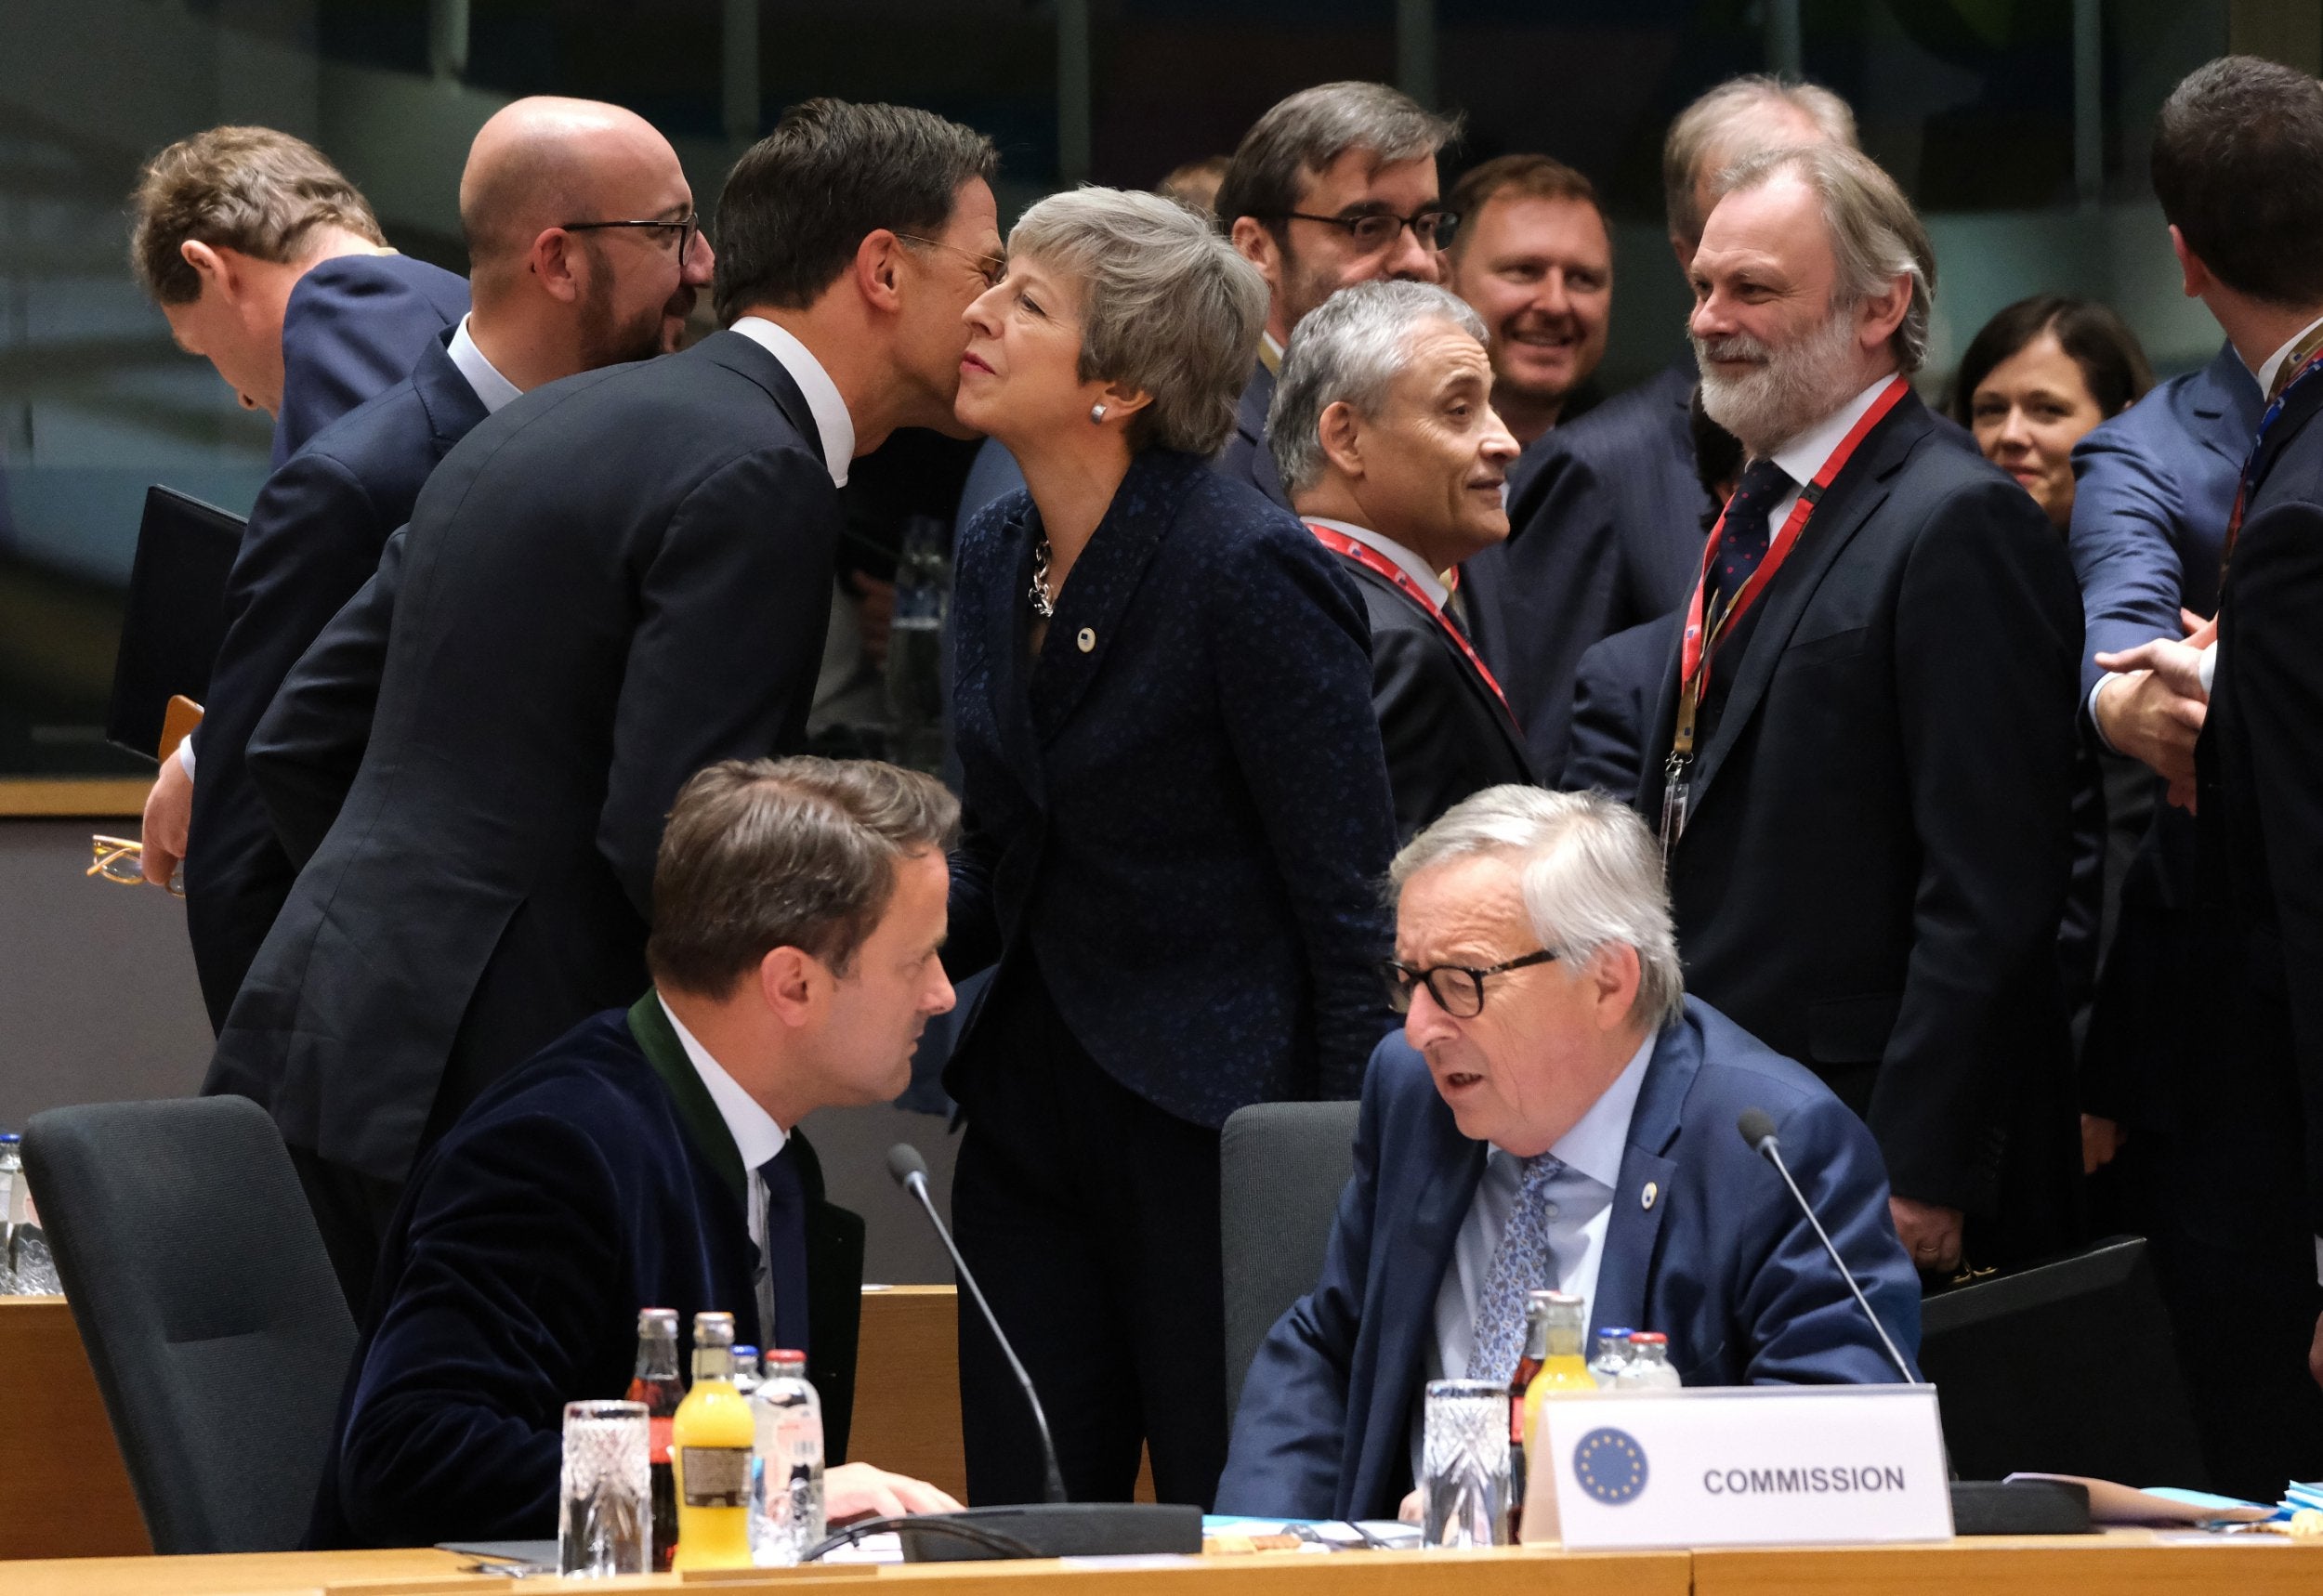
<point x="1465" y="1463"/>
<point x="605" y="1513"/>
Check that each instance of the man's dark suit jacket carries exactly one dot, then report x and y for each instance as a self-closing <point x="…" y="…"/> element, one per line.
<point x="1183" y="811"/>
<point x="1606" y="533"/>
<point x="1446" y="732"/>
<point x="1617" y="690"/>
<point x="615" y="580"/>
<point x="597" y="1180"/>
<point x="1246" y="457"/>
<point x="353" y="327"/>
<point x="1876" y="865"/>
<point x="314" y="538"/>
<point x="1721" y="1263"/>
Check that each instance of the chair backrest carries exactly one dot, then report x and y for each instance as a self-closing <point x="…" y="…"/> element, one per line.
<point x="1282" y="1169"/>
<point x="2067" y="1367"/>
<point x="217" y="1331"/>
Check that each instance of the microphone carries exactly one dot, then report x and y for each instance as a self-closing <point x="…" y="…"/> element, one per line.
<point x="910" y="1171"/>
<point x="1757" y="1127"/>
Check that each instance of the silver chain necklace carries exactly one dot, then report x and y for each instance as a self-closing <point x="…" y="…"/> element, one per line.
<point x="1043" y="605"/>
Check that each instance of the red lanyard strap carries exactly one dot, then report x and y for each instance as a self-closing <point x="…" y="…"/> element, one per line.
<point x="1379" y="565"/>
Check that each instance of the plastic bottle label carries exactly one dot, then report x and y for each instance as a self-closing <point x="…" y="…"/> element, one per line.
<point x="658" y="1437"/>
<point x="716" y="1476"/>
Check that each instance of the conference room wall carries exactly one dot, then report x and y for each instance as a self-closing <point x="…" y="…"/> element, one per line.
<point x="98" y="1004"/>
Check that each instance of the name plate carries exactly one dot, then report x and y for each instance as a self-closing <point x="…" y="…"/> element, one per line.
<point x="1740" y="1466"/>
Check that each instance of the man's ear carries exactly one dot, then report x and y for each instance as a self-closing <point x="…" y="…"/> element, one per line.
<point x="1340" y="431"/>
<point x="559" y="259"/>
<point x="2195" y="278"/>
<point x="789" y="982"/>
<point x="213" y="269"/>
<point x="878" y="270"/>
<point x="1617" y="972"/>
<point x="1882" y="313"/>
<point x="1255" y="242"/>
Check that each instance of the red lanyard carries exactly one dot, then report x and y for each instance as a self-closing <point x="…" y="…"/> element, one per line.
<point x="1379" y="565"/>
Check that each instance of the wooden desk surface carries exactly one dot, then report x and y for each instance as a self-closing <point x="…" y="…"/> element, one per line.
<point x="257" y="1573"/>
<point x="2119" y="1563"/>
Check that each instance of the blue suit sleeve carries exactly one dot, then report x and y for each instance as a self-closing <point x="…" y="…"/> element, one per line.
<point x="348" y="333"/>
<point x="2125" y="557"/>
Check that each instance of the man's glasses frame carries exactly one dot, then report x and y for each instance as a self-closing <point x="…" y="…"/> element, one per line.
<point x="1373" y="232"/>
<point x="1457" y="988"/>
<point x="687" y="228"/>
<point x="992" y="267"/>
<point x="121" y="861"/>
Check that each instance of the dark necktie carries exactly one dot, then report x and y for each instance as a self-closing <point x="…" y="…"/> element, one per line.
<point x="1748" y="527"/>
<point x="781" y="1276"/>
<point x="1456" y="611"/>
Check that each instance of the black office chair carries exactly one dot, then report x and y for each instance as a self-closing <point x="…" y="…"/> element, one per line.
<point x="218" y="1333"/>
<point x="2067" y="1367"/>
<point x="1282" y="1169"/>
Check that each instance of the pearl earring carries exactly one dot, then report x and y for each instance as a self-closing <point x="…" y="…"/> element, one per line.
<point x="1096" y="415"/>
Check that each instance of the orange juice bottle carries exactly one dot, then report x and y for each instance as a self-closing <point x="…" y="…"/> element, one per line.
<point x="1556" y="1323"/>
<point x="710" y="1442"/>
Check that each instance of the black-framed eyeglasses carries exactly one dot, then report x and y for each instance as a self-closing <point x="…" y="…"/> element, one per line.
<point x="992" y="266"/>
<point x="1458" y="990"/>
<point x="686" y="229"/>
<point x="1375" y="230"/>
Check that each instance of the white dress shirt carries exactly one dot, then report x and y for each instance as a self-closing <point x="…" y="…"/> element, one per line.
<point x="756" y="1137"/>
<point x="1805" y="454"/>
<point x="1591" y="1149"/>
<point x="1412" y="565"/>
<point x="832" y="420"/>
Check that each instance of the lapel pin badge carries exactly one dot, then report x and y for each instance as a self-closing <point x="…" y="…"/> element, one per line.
<point x="1087" y="639"/>
<point x="1645" y="1198"/>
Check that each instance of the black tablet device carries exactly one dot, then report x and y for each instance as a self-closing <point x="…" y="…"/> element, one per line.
<point x="176" y="614"/>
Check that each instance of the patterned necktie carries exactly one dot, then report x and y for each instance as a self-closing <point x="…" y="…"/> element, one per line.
<point x="1748" y="528"/>
<point x="1523" y="1263"/>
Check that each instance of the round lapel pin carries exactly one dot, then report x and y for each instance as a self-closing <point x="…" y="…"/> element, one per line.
<point x="1088" y="638"/>
<point x="1645" y="1198"/>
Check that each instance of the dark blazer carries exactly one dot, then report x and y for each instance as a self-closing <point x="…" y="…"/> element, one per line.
<point x="1246" y="457"/>
<point x="1876" y="869"/>
<point x="615" y="580"/>
<point x="597" y="1179"/>
<point x="2152" y="489"/>
<point x="314" y="538"/>
<point x="1181" y="809"/>
<point x="2260" y="763"/>
<point x="1446" y="732"/>
<point x="1606" y="533"/>
<point x="1721" y="1264"/>
<point x="353" y="327"/>
<point x="1616" y="691"/>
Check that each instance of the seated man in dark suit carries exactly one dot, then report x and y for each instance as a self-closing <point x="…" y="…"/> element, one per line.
<point x="650" y="1158"/>
<point x="1335" y="186"/>
<point x="1383" y="431"/>
<point x="1558" y="1114"/>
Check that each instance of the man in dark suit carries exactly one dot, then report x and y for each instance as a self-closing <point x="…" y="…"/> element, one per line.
<point x="2245" y="1186"/>
<point x="1384" y="432"/>
<point x="618" y="579"/>
<point x="1606" y="513"/>
<point x="1335" y="184"/>
<point x="549" y="301"/>
<point x="1558" y="1114"/>
<point x="651" y="1158"/>
<point x="1863" y="754"/>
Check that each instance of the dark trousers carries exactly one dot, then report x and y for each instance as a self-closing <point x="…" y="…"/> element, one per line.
<point x="351" y="1210"/>
<point x="1091" y="1219"/>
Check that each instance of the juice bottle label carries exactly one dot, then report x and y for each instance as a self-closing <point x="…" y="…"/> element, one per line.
<point x="716" y="1476"/>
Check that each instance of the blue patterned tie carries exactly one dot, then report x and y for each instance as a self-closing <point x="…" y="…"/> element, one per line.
<point x="1749" y="527"/>
<point x="1524" y="1263"/>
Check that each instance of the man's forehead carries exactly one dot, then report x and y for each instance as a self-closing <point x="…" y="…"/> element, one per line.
<point x="1440" y="352"/>
<point x="1536" y="221"/>
<point x="1776" y="225"/>
<point x="1471" y="897"/>
<point x="1356" y="175"/>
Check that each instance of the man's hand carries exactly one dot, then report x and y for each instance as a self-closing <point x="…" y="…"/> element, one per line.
<point x="1929" y="1233"/>
<point x="2154" y="708"/>
<point x="2315" y="1353"/>
<point x="1409" y="1512"/>
<point x="2101" y="1138"/>
<point x="168" y="812"/>
<point x="858" y="1490"/>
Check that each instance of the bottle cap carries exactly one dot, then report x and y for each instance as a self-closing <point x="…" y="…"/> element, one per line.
<point x="1649" y="1339"/>
<point x="713" y="1329"/>
<point x="786" y="1357"/>
<point x="1616" y="1332"/>
<point x="743" y="1349"/>
<point x="657" y="1319"/>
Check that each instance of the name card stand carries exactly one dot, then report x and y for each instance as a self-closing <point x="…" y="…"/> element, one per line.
<point x="1789" y="1465"/>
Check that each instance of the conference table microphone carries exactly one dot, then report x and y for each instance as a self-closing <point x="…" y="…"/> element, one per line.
<point x="1053" y="1527"/>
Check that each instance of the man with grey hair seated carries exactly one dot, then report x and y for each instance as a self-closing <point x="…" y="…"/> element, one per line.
<point x="1558" y="1114"/>
<point x="1335" y="186"/>
<point x="1383" y="431"/>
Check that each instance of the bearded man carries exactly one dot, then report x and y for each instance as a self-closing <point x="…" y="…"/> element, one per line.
<point x="1862" y="764"/>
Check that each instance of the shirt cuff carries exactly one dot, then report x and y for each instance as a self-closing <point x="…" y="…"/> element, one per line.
<point x="185" y="755"/>
<point x="2096" y="724"/>
<point x="2208" y="667"/>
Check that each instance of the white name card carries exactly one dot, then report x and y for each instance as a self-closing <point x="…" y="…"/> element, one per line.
<point x="1739" y="1466"/>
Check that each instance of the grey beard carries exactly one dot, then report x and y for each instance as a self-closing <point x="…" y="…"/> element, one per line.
<point x="1798" y="384"/>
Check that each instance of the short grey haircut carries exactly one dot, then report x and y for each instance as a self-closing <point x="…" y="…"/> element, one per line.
<point x="1590" y="873"/>
<point x="1876" y="235"/>
<point x="1166" y="307"/>
<point x="1731" y="120"/>
<point x="1350" y="347"/>
<point x="1296" y="141"/>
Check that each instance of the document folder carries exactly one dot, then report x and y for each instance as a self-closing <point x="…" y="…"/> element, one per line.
<point x="176" y="614"/>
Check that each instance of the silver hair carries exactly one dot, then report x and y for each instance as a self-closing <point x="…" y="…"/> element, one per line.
<point x="1167" y="307"/>
<point x="1296" y="141"/>
<point x="1590" y="873"/>
<point x="1349" y="347"/>
<point x="1731" y="119"/>
<point x="1876" y="235"/>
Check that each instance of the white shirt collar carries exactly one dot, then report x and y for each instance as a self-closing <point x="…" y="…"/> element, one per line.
<point x="832" y="420"/>
<point x="1594" y="1147"/>
<point x="2273" y="368"/>
<point x="756" y="1137"/>
<point x="492" y="389"/>
<point x="1412" y="565"/>
<point x="1804" y="456"/>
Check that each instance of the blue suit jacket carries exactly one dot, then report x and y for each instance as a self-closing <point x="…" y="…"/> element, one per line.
<point x="597" y="1180"/>
<point x="1185" y="819"/>
<point x="2153" y="489"/>
<point x="314" y="538"/>
<point x="1246" y="457"/>
<point x="1721" y="1263"/>
<point x="353" y="327"/>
